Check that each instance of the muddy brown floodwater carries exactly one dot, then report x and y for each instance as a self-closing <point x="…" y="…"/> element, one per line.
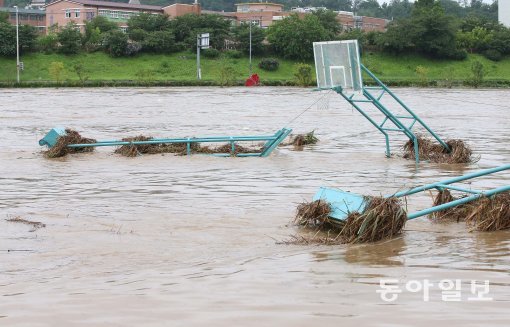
<point x="188" y="241"/>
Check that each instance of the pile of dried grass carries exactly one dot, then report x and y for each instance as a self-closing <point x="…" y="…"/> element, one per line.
<point x="382" y="218"/>
<point x="313" y="214"/>
<point x="319" y="238"/>
<point x="227" y="148"/>
<point x="61" y="149"/>
<point x="34" y="224"/>
<point x="300" y="140"/>
<point x="430" y="150"/>
<point x="457" y="213"/>
<point x="490" y="214"/>
<point x="133" y="150"/>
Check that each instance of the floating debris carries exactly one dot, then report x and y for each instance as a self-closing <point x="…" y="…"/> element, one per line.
<point x="429" y="149"/>
<point x="382" y="218"/>
<point x="457" y="213"/>
<point x="133" y="150"/>
<point x="35" y="224"/>
<point x="489" y="214"/>
<point x="61" y="149"/>
<point x="300" y="140"/>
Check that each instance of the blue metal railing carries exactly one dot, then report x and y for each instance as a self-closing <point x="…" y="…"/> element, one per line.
<point x="272" y="141"/>
<point x="397" y="120"/>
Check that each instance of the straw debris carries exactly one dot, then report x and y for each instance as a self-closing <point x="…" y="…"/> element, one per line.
<point x="490" y="214"/>
<point x="34" y="224"/>
<point x="313" y="214"/>
<point x="429" y="149"/>
<point x="457" y="213"/>
<point x="382" y="218"/>
<point x="133" y="150"/>
<point x="61" y="149"/>
<point x="300" y="140"/>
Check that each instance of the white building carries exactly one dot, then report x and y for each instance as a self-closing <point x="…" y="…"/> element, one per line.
<point x="504" y="12"/>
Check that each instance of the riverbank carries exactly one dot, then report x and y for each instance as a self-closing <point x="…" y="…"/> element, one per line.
<point x="179" y="69"/>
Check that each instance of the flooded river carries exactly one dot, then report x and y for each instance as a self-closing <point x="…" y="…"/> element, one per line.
<point x="188" y="241"/>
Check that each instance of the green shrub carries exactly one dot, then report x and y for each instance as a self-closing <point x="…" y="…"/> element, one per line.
<point x="211" y="53"/>
<point x="269" y="64"/>
<point x="227" y="74"/>
<point x="56" y="70"/>
<point x="303" y="74"/>
<point x="234" y="54"/>
<point x="115" y="43"/>
<point x="478" y="72"/>
<point x="493" y="54"/>
<point x="47" y="43"/>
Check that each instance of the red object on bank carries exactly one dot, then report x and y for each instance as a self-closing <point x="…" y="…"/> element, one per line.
<point x="254" y="80"/>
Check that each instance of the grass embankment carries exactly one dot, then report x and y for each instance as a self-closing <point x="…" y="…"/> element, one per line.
<point x="180" y="69"/>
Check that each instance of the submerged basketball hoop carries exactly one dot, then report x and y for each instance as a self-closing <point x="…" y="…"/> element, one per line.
<point x="337" y="64"/>
<point x="338" y="67"/>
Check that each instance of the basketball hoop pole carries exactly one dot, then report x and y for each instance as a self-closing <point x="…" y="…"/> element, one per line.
<point x="338" y="67"/>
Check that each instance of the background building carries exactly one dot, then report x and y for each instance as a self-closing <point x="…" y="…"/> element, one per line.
<point x="62" y="12"/>
<point x="32" y="17"/>
<point x="504" y="12"/>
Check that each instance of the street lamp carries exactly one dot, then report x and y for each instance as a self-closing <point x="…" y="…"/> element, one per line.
<point x="17" y="45"/>
<point x="251" y="23"/>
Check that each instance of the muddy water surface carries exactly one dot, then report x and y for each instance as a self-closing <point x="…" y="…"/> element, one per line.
<point x="182" y="241"/>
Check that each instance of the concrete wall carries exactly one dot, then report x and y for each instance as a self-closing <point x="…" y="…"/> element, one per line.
<point x="179" y="9"/>
<point x="504" y="12"/>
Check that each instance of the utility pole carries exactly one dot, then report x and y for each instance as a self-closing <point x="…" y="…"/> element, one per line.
<point x="202" y="43"/>
<point x="251" y="23"/>
<point x="199" y="69"/>
<point x="17" y="45"/>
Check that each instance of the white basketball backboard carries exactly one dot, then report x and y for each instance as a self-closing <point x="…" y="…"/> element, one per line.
<point x="337" y="63"/>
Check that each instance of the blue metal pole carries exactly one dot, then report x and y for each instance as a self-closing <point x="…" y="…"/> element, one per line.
<point x="458" y="202"/>
<point x="452" y="180"/>
<point x="339" y="91"/>
<point x="404" y="106"/>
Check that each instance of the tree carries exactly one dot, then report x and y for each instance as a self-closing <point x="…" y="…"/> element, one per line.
<point x="7" y="40"/>
<point x="69" y="38"/>
<point x="27" y="39"/>
<point x="159" y="42"/>
<point x="329" y="21"/>
<point x="148" y="22"/>
<point x="187" y="27"/>
<point x="433" y="32"/>
<point x="4" y="17"/>
<point x="115" y="43"/>
<point x="370" y="8"/>
<point x="292" y="37"/>
<point x="241" y="35"/>
<point x="94" y="30"/>
<point x="428" y="31"/>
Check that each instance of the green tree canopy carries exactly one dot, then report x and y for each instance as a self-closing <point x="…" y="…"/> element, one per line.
<point x="149" y="22"/>
<point x="116" y="43"/>
<point x="187" y="28"/>
<point x="27" y="39"/>
<point x="69" y="38"/>
<point x="241" y="35"/>
<point x="329" y="21"/>
<point x="292" y="37"/>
